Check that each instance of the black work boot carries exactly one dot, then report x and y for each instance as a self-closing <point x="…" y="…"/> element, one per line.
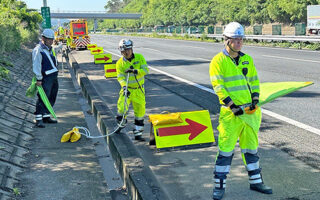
<point x="261" y="187"/>
<point x="218" y="193"/>
<point x="138" y="129"/>
<point x="219" y="188"/>
<point x="48" y="120"/>
<point x="39" y="124"/>
<point x="120" y="125"/>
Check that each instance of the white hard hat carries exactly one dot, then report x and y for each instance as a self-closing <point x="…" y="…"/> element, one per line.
<point x="48" y="33"/>
<point x="234" y="30"/>
<point x="125" y="44"/>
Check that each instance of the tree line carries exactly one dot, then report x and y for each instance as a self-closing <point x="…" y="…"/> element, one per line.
<point x="18" y="26"/>
<point x="210" y="12"/>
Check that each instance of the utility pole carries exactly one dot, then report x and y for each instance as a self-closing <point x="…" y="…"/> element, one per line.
<point x="44" y="3"/>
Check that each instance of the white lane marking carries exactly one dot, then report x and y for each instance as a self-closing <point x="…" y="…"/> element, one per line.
<point x="264" y="111"/>
<point x="203" y="59"/>
<point x="302" y="60"/>
<point x="151" y="49"/>
<point x="184" y="80"/>
<point x="292" y="122"/>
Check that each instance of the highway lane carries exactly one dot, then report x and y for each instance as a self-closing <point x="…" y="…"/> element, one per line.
<point x="190" y="60"/>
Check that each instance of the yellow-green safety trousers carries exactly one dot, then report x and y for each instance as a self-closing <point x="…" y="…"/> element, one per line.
<point x="137" y="98"/>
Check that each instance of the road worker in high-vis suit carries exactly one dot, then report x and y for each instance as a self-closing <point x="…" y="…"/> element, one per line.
<point x="134" y="65"/>
<point x="234" y="79"/>
<point x="45" y="69"/>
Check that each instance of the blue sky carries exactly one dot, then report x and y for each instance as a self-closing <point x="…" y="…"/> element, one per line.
<point x="69" y="5"/>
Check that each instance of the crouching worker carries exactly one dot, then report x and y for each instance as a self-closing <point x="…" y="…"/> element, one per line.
<point x="133" y="66"/>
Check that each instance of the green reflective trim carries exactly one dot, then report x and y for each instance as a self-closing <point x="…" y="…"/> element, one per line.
<point x="237" y="88"/>
<point x="254" y="78"/>
<point x="217" y="77"/>
<point x="233" y="78"/>
<point x="255" y="87"/>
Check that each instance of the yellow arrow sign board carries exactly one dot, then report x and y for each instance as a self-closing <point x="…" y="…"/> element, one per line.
<point x="98" y="50"/>
<point x="102" y="58"/>
<point x="110" y="70"/>
<point x="92" y="46"/>
<point x="196" y="128"/>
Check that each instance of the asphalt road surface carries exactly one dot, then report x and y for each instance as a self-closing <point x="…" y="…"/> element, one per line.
<point x="290" y="123"/>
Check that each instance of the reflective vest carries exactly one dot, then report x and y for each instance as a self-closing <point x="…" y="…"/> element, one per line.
<point x="138" y="63"/>
<point x="228" y="80"/>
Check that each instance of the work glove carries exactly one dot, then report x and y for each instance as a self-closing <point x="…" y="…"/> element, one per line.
<point x="253" y="107"/>
<point x="124" y="91"/>
<point x="236" y="110"/>
<point x="131" y="71"/>
<point x="254" y="104"/>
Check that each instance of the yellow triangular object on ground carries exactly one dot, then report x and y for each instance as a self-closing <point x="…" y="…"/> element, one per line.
<point x="72" y="135"/>
<point x="75" y="136"/>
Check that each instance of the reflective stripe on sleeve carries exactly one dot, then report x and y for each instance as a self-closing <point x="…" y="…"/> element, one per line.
<point x="256" y="87"/>
<point x="254" y="78"/>
<point x="217" y="77"/>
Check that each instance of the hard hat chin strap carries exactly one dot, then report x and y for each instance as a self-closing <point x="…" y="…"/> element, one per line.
<point x="231" y="47"/>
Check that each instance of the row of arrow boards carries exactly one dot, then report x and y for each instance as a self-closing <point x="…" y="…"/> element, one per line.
<point x="101" y="58"/>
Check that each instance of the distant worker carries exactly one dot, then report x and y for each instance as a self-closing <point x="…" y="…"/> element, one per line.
<point x="61" y="30"/>
<point x="234" y="79"/>
<point x="136" y="66"/>
<point x="46" y="71"/>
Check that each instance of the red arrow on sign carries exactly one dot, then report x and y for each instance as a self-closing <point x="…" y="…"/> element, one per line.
<point x="194" y="128"/>
<point x="105" y="58"/>
<point x="92" y="46"/>
<point x="111" y="70"/>
<point x="98" y="50"/>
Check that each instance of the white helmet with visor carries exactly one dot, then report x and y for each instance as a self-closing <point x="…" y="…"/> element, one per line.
<point x="125" y="44"/>
<point x="234" y="30"/>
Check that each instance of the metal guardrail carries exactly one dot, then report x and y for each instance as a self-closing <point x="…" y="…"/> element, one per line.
<point x="270" y="38"/>
<point x="260" y="38"/>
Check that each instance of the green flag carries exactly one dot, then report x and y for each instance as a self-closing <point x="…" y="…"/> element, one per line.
<point x="45" y="100"/>
<point x="271" y="91"/>
<point x="32" y="90"/>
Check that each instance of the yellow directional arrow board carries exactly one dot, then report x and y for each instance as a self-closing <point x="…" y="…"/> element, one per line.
<point x="98" y="50"/>
<point x="110" y="70"/>
<point x="92" y="46"/>
<point x="196" y="128"/>
<point x="102" y="58"/>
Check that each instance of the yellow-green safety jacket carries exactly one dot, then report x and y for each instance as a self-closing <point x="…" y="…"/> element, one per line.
<point x="228" y="79"/>
<point x="138" y="63"/>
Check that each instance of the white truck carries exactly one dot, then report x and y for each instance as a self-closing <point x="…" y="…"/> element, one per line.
<point x="313" y="20"/>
